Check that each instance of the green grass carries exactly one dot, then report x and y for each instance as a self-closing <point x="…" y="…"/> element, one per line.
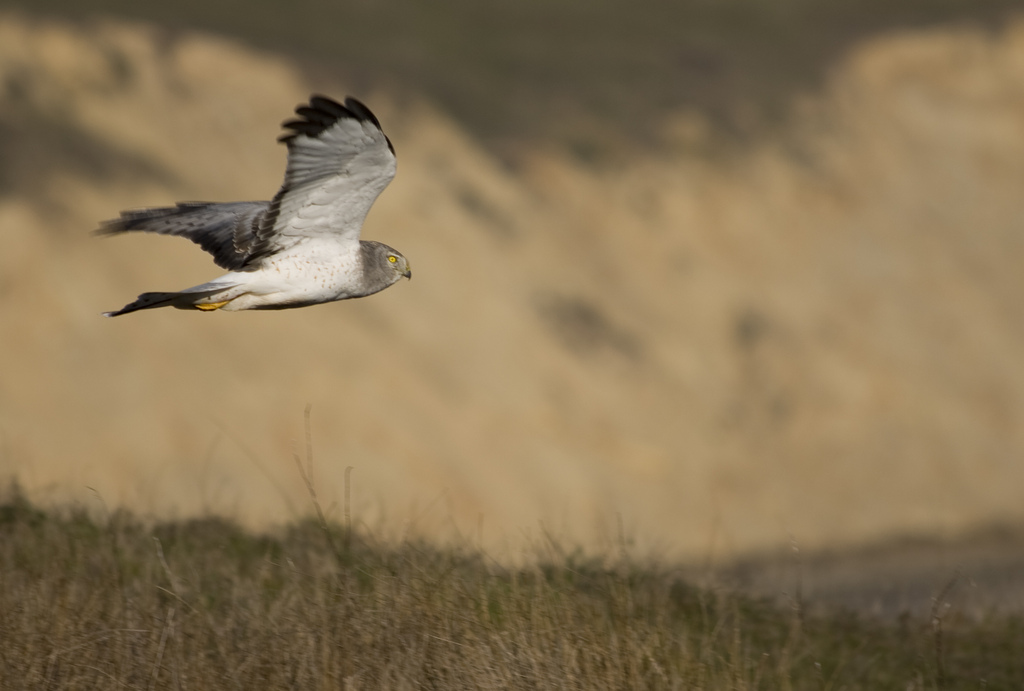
<point x="201" y="604"/>
<point x="578" y="73"/>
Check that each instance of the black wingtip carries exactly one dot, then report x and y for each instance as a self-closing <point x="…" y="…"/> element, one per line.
<point x="359" y="109"/>
<point x="322" y="112"/>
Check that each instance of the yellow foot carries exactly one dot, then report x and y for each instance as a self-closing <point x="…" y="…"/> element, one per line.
<point x="209" y="306"/>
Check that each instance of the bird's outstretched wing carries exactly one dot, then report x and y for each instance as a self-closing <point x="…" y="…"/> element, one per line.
<point x="227" y="231"/>
<point x="339" y="161"/>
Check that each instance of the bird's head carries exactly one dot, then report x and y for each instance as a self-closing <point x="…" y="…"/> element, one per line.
<point x="383" y="265"/>
<point x="399" y="264"/>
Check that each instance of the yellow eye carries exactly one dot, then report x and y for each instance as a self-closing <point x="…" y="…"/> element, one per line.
<point x="392" y="258"/>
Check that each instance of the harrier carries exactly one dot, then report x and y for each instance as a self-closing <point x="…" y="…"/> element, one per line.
<point x="303" y="247"/>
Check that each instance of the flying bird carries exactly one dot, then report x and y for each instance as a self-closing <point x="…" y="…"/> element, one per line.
<point x="303" y="247"/>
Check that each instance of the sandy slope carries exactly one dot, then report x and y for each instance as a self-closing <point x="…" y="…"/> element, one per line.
<point x="819" y="338"/>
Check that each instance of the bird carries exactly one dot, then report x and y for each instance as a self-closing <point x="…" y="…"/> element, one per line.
<point x="301" y="248"/>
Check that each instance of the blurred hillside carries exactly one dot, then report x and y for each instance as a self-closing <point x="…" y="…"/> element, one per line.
<point x="818" y="336"/>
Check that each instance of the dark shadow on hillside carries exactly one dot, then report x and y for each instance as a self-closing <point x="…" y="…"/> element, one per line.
<point x="982" y="573"/>
<point x="34" y="146"/>
<point x="585" y="75"/>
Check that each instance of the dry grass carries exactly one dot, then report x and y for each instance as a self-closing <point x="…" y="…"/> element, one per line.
<point x="201" y="604"/>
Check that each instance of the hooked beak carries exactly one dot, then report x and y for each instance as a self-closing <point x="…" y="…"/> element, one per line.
<point x="408" y="272"/>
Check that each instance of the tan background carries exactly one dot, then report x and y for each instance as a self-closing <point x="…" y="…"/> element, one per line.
<point x="819" y="337"/>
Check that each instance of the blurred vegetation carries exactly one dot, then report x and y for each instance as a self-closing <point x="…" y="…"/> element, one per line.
<point x="561" y="70"/>
<point x="117" y="603"/>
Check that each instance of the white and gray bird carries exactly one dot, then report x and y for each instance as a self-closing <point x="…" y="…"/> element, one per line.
<point x="303" y="247"/>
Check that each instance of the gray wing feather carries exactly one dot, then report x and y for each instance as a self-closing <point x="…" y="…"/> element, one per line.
<point x="227" y="231"/>
<point x="339" y="161"/>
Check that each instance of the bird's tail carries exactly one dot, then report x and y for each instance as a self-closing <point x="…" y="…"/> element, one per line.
<point x="182" y="300"/>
